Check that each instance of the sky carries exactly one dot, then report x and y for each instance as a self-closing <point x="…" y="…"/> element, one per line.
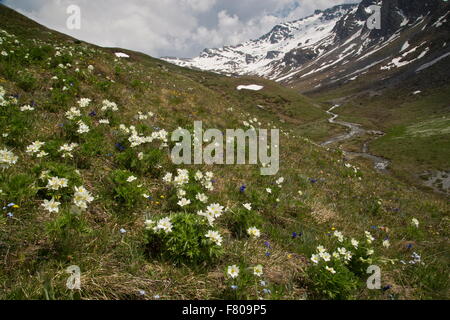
<point x="176" y="28"/>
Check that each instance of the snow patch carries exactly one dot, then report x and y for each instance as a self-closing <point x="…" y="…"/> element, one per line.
<point x="121" y="55"/>
<point x="253" y="87"/>
<point x="405" y="46"/>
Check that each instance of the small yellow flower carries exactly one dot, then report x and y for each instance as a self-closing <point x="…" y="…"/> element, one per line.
<point x="332" y="229"/>
<point x="289" y="256"/>
<point x="162" y="197"/>
<point x="157" y="202"/>
<point x="16" y="206"/>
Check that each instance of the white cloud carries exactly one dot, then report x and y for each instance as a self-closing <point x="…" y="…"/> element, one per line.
<point x="169" y="27"/>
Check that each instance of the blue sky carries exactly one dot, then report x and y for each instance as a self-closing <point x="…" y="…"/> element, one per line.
<point x="180" y="28"/>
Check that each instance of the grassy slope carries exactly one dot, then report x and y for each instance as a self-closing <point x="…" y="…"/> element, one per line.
<point x="116" y="266"/>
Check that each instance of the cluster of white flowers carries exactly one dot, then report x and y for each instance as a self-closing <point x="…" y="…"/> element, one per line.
<point x="215" y="237"/>
<point x="84" y="102"/>
<point x="339" y="236"/>
<point x="144" y="116"/>
<point x="136" y="139"/>
<point x="212" y="212"/>
<point x="164" y="224"/>
<point x="82" y="197"/>
<point x="321" y="254"/>
<point x="108" y="105"/>
<point x="330" y="269"/>
<point x="56" y="183"/>
<point x="182" y="178"/>
<point x="254" y="232"/>
<point x="66" y="149"/>
<point x="25" y="108"/>
<point x="73" y="113"/>
<point x="251" y="123"/>
<point x="51" y="205"/>
<point x="82" y="127"/>
<point x="343" y="253"/>
<point x="280" y="181"/>
<point x="205" y="179"/>
<point x="369" y="237"/>
<point x="7" y="158"/>
<point x="131" y="179"/>
<point x="202" y="197"/>
<point x="4" y="101"/>
<point x="35" y="149"/>
<point x="183" y="202"/>
<point x="233" y="271"/>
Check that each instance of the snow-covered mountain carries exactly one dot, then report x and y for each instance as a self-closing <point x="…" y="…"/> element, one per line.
<point x="336" y="45"/>
<point x="265" y="55"/>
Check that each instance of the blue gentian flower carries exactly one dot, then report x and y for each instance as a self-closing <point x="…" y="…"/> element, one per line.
<point x="92" y="114"/>
<point x="267" y="254"/>
<point x="242" y="188"/>
<point x="386" y="288"/>
<point x="120" y="147"/>
<point x="294" y="235"/>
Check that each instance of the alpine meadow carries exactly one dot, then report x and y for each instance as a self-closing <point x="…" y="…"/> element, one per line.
<point x="328" y="176"/>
